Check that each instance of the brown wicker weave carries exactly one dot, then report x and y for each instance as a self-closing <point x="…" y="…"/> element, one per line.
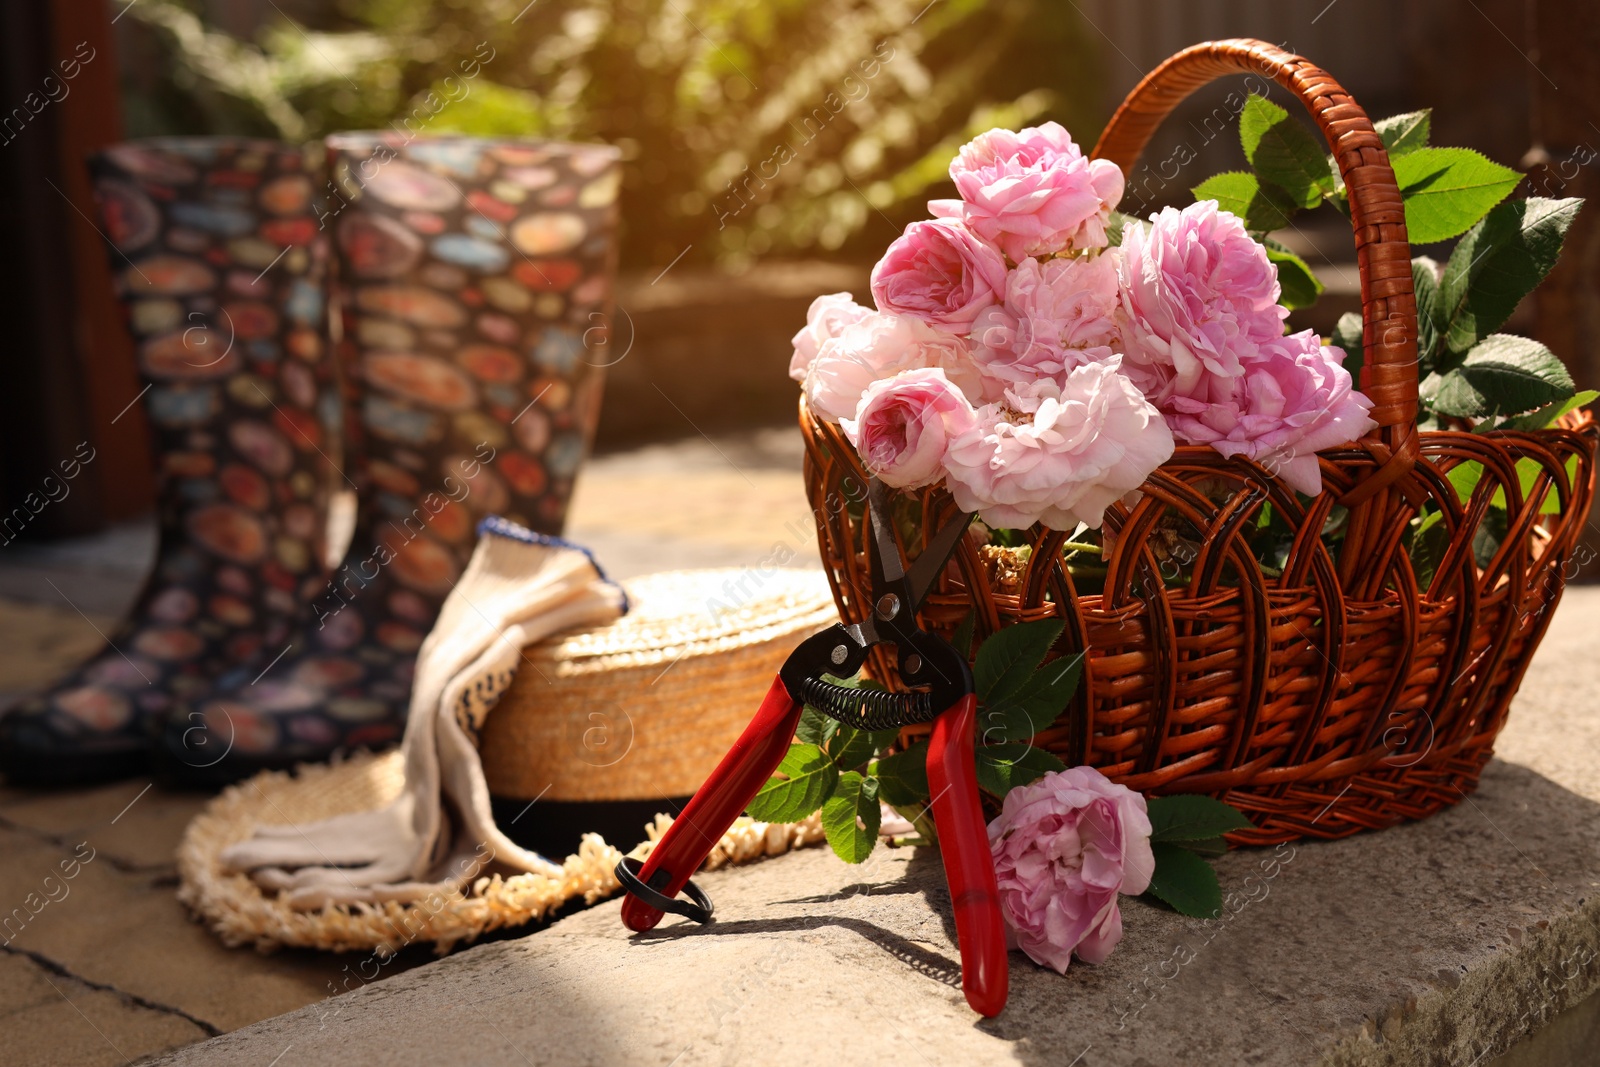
<point x="1336" y="696"/>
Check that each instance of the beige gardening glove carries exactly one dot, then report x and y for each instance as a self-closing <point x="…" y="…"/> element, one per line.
<point x="518" y="589"/>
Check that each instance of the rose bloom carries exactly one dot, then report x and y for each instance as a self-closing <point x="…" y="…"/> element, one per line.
<point x="827" y="316"/>
<point x="876" y="346"/>
<point x="1058" y="453"/>
<point x="1056" y="316"/>
<point x="1198" y="296"/>
<point x="904" y="426"/>
<point x="1031" y="192"/>
<point x="1294" y="399"/>
<point x="951" y="354"/>
<point x="939" y="272"/>
<point x="1064" y="847"/>
<point x="880" y="346"/>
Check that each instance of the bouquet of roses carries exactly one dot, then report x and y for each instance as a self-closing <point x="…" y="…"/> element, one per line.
<point x="1043" y="374"/>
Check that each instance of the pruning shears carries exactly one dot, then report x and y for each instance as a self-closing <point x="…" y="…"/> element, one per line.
<point x="938" y="688"/>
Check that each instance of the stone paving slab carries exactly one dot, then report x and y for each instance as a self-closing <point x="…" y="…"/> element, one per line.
<point x="98" y="575"/>
<point x="124" y="930"/>
<point x="38" y="640"/>
<point x="729" y="502"/>
<point x="82" y="1025"/>
<point x="114" y="932"/>
<point x="22" y="985"/>
<point x="134" y="823"/>
<point x="1441" y="942"/>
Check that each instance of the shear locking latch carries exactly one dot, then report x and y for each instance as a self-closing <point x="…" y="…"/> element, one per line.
<point x="698" y="907"/>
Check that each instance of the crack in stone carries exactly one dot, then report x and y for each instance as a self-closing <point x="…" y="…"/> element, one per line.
<point x="60" y="970"/>
<point x="115" y="862"/>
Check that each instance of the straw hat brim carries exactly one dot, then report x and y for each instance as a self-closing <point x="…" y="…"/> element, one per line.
<point x="724" y="659"/>
<point x="240" y="913"/>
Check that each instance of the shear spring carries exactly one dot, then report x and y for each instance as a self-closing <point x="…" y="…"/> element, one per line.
<point x="867" y="709"/>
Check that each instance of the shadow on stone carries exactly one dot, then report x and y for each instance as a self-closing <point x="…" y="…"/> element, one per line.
<point x="923" y="961"/>
<point x="865" y="889"/>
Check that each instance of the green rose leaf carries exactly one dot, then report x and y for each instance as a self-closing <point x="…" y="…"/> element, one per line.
<point x="850" y="817"/>
<point x="1428" y="547"/>
<point x="1428" y="392"/>
<point x="903" y="777"/>
<point x="1116" y="226"/>
<point x="1262" y="207"/>
<point x="1425" y="281"/>
<point x="1403" y="134"/>
<point x="1528" y="472"/>
<point x="814" y="727"/>
<point x="1185" y="881"/>
<point x="1001" y="768"/>
<point x="1464" y="478"/>
<point x="1545" y="417"/>
<point x="1300" y="286"/>
<point x="1347" y="334"/>
<point x="1035" y="706"/>
<point x="1446" y="190"/>
<point x="1453" y="395"/>
<point x="1284" y="152"/>
<point x="1503" y="375"/>
<point x="809" y="778"/>
<point x="1009" y="657"/>
<point x="851" y="748"/>
<point x="1192" y="817"/>
<point x="1211" y="846"/>
<point x="1497" y="263"/>
<point x="1488" y="537"/>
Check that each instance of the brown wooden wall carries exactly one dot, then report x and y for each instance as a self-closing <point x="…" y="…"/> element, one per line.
<point x="66" y="369"/>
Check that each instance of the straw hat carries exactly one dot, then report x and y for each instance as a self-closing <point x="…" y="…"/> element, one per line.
<point x="646" y="707"/>
<point x="673" y="683"/>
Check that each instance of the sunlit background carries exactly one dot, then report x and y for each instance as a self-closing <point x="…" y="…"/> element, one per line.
<point x="772" y="148"/>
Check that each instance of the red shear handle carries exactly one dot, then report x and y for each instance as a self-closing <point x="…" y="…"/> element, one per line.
<point x="741" y="774"/>
<point x="968" y="863"/>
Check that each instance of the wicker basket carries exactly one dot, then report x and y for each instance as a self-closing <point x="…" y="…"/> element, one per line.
<point x="1332" y="697"/>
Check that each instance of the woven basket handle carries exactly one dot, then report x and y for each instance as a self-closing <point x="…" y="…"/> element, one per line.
<point x="1388" y="304"/>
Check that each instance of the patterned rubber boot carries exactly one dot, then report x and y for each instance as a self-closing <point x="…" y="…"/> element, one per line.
<point x="473" y="280"/>
<point x="220" y="266"/>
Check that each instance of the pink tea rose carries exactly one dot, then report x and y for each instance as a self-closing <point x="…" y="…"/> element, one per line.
<point x="1199" y="296"/>
<point x="1294" y="399"/>
<point x="875" y="346"/>
<point x="827" y="316"/>
<point x="880" y="346"/>
<point x="1057" y="315"/>
<point x="1058" y="453"/>
<point x="904" y="425"/>
<point x="951" y="354"/>
<point x="937" y="271"/>
<point x="1064" y="847"/>
<point x="1031" y="192"/>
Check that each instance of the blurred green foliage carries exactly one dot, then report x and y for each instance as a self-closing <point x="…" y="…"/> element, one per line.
<point x="750" y="128"/>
